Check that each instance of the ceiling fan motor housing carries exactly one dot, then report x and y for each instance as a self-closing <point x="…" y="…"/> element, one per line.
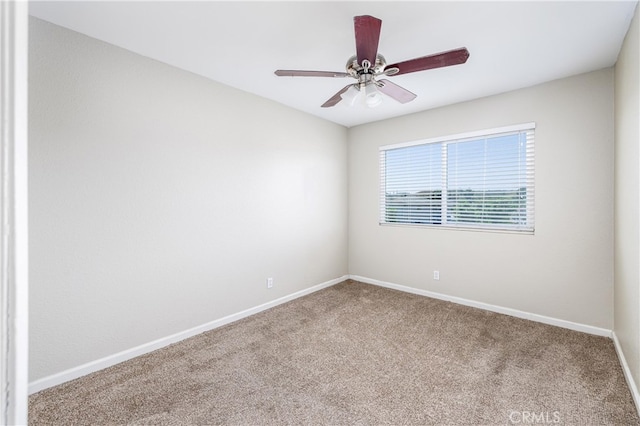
<point x="356" y="69"/>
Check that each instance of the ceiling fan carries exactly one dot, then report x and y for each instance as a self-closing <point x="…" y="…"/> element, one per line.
<point x="368" y="65"/>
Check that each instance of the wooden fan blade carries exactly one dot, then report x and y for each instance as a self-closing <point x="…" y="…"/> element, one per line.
<point x="332" y="101"/>
<point x="443" y="59"/>
<point x="299" y="73"/>
<point x="398" y="93"/>
<point x="367" y="29"/>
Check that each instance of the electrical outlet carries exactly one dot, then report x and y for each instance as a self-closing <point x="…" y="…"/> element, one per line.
<point x="436" y="275"/>
<point x="269" y="282"/>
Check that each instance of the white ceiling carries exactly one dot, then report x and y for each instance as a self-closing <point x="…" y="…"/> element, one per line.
<point x="512" y="44"/>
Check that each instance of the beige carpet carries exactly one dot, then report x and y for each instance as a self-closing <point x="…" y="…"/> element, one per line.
<point x="358" y="354"/>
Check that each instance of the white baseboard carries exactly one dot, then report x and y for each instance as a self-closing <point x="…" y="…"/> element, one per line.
<point x="627" y="372"/>
<point x="488" y="307"/>
<point x="90" y="367"/>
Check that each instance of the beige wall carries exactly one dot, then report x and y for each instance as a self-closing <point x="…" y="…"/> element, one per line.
<point x="161" y="200"/>
<point x="565" y="270"/>
<point x="627" y="199"/>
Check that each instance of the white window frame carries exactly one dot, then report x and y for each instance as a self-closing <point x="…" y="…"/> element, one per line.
<point x="527" y="128"/>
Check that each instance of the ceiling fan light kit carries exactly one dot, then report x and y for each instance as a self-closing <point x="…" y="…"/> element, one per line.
<point x="373" y="98"/>
<point x="352" y="95"/>
<point x="367" y="65"/>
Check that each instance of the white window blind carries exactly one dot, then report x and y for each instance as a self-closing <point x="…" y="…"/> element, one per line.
<point x="475" y="180"/>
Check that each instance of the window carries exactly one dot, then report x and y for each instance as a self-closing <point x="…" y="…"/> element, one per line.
<point x="479" y="180"/>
